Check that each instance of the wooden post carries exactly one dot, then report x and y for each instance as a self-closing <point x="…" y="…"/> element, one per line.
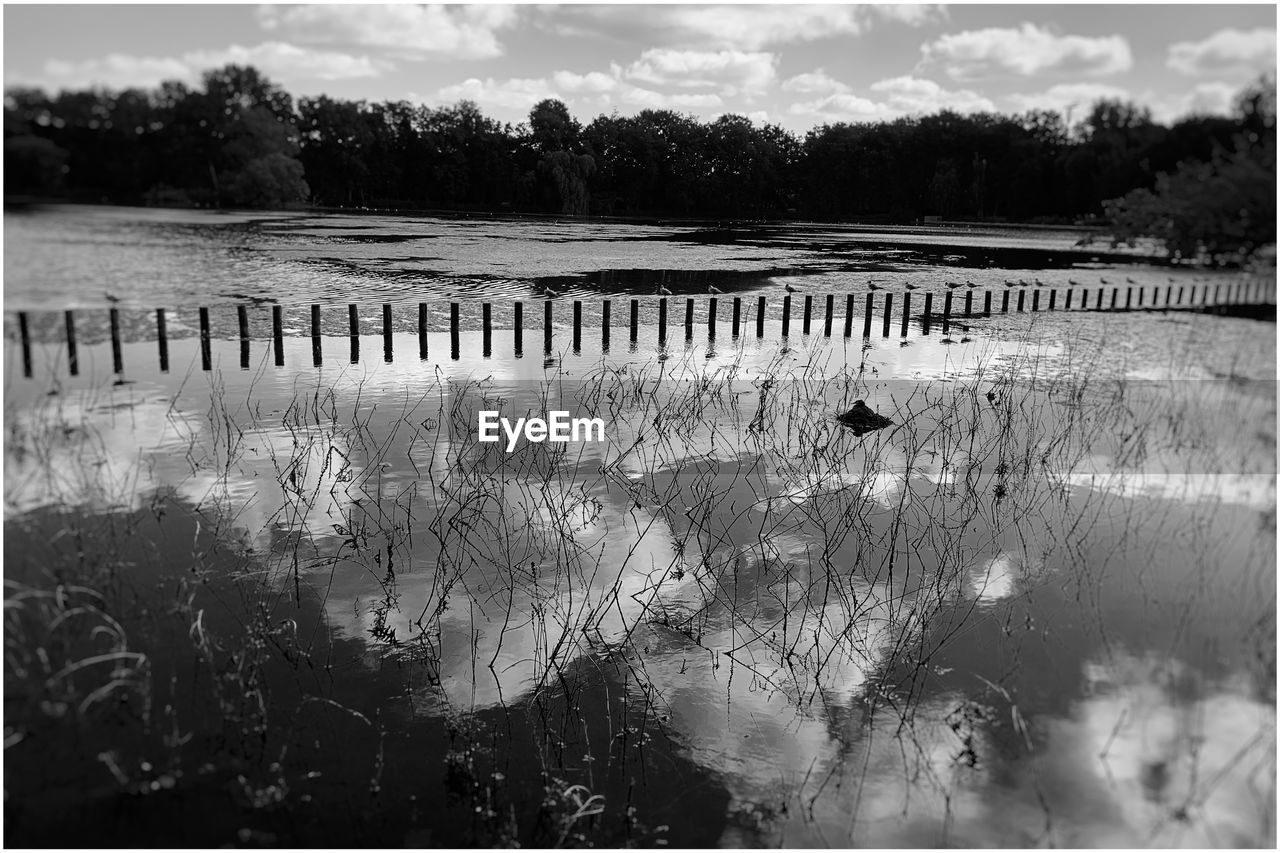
<point x="927" y="318"/>
<point x="1070" y="292"/>
<point x="1053" y="297"/>
<point x="888" y="314"/>
<point x="737" y="315"/>
<point x="1180" y="289"/>
<point x="353" y="321"/>
<point x="277" y="331"/>
<point x="635" y="319"/>
<point x="24" y="333"/>
<point x="117" y="360"/>
<point x="546" y="327"/>
<point x="946" y="313"/>
<point x="242" y="315"/>
<point x="968" y="303"/>
<point x="1168" y="296"/>
<point x="986" y="303"/>
<point x="688" y="318"/>
<point x="786" y="314"/>
<point x="517" y="319"/>
<point x="848" y="315"/>
<point x="906" y="312"/>
<point x="831" y="310"/>
<point x="760" y="317"/>
<point x="206" y="354"/>
<point x="422" y="328"/>
<point x="486" y="330"/>
<point x="1022" y="299"/>
<point x="711" y="317"/>
<point x="316" y="358"/>
<point x="73" y="359"/>
<point x="1004" y="303"/>
<point x="1035" y="299"/>
<point x="1141" y="294"/>
<point x="455" y="344"/>
<point x="866" y="316"/>
<point x="162" y="339"/>
<point x="604" y="325"/>
<point x="386" y="333"/>
<point x="577" y="326"/>
<point x="808" y="311"/>
<point x="1099" y="305"/>
<point x="662" y="321"/>
<point x="1115" y="297"/>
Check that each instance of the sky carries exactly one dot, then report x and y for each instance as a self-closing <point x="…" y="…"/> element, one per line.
<point x="799" y="66"/>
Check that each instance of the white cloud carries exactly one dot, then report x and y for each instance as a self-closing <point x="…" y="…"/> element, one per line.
<point x="1026" y="51"/>
<point x="408" y="31"/>
<point x="593" y="82"/>
<point x="814" y="82"/>
<point x="636" y="96"/>
<point x="1228" y="51"/>
<point x="274" y="59"/>
<point x="115" y="71"/>
<point x="843" y="107"/>
<point x="1079" y="97"/>
<point x="915" y="96"/>
<point x="899" y="96"/>
<point x="1204" y="99"/>
<point x="278" y="58"/>
<point x="513" y="94"/>
<point x="731" y="72"/>
<point x="735" y="27"/>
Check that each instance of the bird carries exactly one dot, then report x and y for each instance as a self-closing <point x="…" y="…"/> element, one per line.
<point x="871" y="286"/>
<point x="711" y="288"/>
<point x="1129" y="280"/>
<point x="1039" y="283"/>
<point x="970" y="284"/>
<point x="551" y="294"/>
<point x="953" y="284"/>
<point x="863" y="419"/>
<point x="663" y="290"/>
<point x="1008" y="283"/>
<point x="911" y="287"/>
<point x="112" y="298"/>
<point x="1072" y="282"/>
<point x="1103" y="280"/>
<point x="791" y="289"/>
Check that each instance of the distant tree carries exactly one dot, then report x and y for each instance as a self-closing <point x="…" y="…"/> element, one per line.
<point x="1220" y="211"/>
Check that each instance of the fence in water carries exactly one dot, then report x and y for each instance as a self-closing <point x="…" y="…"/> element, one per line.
<point x="742" y="314"/>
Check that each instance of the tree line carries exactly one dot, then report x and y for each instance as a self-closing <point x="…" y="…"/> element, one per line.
<point x="240" y="140"/>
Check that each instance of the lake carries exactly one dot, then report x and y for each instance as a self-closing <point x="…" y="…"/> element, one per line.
<point x="294" y="601"/>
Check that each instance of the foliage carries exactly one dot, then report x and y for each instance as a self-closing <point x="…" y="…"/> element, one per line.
<point x="1222" y="210"/>
<point x="239" y="139"/>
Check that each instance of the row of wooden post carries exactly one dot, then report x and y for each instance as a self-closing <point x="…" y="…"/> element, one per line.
<point x="1238" y="293"/>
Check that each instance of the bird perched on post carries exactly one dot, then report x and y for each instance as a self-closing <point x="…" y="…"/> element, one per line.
<point x="791" y="289"/>
<point x="863" y="419"/>
<point x="873" y="286"/>
<point x="911" y="287"/>
<point x="953" y="284"/>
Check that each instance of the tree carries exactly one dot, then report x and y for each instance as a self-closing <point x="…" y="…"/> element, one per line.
<point x="1220" y="211"/>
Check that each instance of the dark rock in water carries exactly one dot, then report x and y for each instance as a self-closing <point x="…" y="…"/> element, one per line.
<point x="861" y="419"/>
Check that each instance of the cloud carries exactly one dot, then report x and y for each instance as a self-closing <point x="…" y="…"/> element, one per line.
<point x="408" y="31"/>
<point x="899" y="96"/>
<point x="286" y="60"/>
<point x="1205" y="99"/>
<point x="513" y="94"/>
<point x="593" y="82"/>
<point x="915" y="96"/>
<point x="1078" y="96"/>
<point x="814" y="82"/>
<point x="115" y="71"/>
<point x="275" y="59"/>
<point x="733" y="27"/>
<point x="1026" y="51"/>
<point x="1228" y="51"/>
<point x="731" y="72"/>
